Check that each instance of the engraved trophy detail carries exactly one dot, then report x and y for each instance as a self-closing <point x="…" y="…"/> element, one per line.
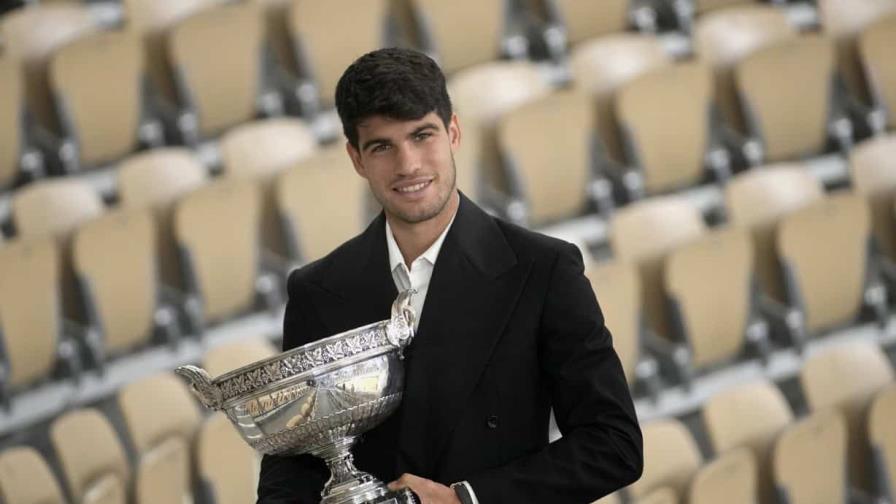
<point x="318" y="398"/>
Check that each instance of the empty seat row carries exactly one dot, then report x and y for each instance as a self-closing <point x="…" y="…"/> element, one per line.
<point x="762" y="453"/>
<point x="175" y="452"/>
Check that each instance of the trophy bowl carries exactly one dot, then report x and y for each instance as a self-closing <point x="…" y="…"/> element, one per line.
<point x="318" y="398"/>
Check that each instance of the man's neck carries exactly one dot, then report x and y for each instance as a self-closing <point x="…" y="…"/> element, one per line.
<point x="414" y="238"/>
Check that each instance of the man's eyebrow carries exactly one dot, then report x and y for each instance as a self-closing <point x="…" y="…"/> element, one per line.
<point x="424" y="127"/>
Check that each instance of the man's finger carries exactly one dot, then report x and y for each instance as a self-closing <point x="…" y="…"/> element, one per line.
<point x="406" y="481"/>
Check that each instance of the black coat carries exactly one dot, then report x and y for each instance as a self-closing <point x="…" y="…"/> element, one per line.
<point x="510" y="328"/>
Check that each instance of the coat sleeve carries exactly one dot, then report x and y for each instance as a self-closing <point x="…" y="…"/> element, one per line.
<point x="292" y="479"/>
<point x="601" y="448"/>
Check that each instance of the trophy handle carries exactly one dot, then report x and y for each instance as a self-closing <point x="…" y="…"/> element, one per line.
<point x="201" y="385"/>
<point x="400" y="328"/>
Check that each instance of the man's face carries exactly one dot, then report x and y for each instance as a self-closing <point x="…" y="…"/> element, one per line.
<point x="408" y="164"/>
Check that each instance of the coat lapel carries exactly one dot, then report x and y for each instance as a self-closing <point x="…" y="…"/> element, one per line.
<point x="474" y="288"/>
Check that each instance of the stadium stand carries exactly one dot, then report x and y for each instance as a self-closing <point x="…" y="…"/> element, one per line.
<point x="159" y="177"/>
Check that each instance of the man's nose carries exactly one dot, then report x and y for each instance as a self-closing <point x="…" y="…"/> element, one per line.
<point x="409" y="160"/>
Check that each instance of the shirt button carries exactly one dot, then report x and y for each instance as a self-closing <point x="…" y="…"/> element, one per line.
<point x="492" y="422"/>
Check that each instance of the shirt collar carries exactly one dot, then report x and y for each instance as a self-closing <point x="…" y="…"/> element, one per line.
<point x="395" y="257"/>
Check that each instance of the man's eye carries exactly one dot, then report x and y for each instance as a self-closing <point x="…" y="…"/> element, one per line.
<point x="422" y="136"/>
<point x="380" y="148"/>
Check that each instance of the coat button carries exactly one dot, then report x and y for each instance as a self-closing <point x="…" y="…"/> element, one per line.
<point x="492" y="422"/>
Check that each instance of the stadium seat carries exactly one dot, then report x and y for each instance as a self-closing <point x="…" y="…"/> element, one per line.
<point x="809" y="461"/>
<point x="613" y="498"/>
<point x="57" y="208"/>
<point x="91" y="456"/>
<point x="31" y="326"/>
<point x="547" y="147"/>
<point x="875" y="45"/>
<point x="882" y="437"/>
<point x="25" y="478"/>
<point x="217" y="230"/>
<point x="724" y="37"/>
<point x="98" y="84"/>
<point x="17" y="157"/>
<point x="208" y="106"/>
<point x="757" y="200"/>
<point x="751" y="415"/>
<point x="823" y="250"/>
<point x="315" y="223"/>
<point x="31" y="35"/>
<point x="484" y="37"/>
<point x="844" y="20"/>
<point x="703" y="6"/>
<point x="114" y="258"/>
<point x="709" y="289"/>
<point x="663" y="495"/>
<point x="670" y="158"/>
<point x="162" y="420"/>
<point x="575" y="21"/>
<point x="617" y="286"/>
<point x="602" y="66"/>
<point x="260" y="150"/>
<point x="830" y="380"/>
<point x="327" y="41"/>
<point x="157" y="179"/>
<point x="873" y="177"/>
<point x="731" y="478"/>
<point x="671" y="458"/>
<point x="787" y="91"/>
<point x="228" y="467"/>
<point x="225" y="358"/>
<point x="644" y="233"/>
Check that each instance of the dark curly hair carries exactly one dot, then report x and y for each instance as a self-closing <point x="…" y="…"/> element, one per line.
<point x="397" y="83"/>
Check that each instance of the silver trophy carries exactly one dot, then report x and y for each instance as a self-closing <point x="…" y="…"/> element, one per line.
<point x="319" y="398"/>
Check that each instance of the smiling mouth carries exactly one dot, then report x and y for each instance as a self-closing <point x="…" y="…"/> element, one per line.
<point x="413" y="188"/>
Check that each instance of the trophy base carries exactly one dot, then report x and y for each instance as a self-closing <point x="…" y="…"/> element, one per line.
<point x="348" y="485"/>
<point x="372" y="492"/>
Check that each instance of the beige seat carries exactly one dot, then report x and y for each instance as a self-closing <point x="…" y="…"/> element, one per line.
<point x="25" y="478"/>
<point x="659" y="496"/>
<point x="548" y="144"/>
<point x="757" y="200"/>
<point x="152" y="20"/>
<point x="870" y="165"/>
<point x="644" y="233"/>
<point x="31" y="35"/>
<point x="114" y="258"/>
<point x="228" y="466"/>
<point x="226" y="358"/>
<point x="91" y="456"/>
<point x="875" y="45"/>
<point x="330" y="41"/>
<point x="704" y="6"/>
<point x="882" y="437"/>
<point x="786" y="90"/>
<point x="668" y="157"/>
<point x="830" y="380"/>
<point x="479" y="41"/>
<point x="618" y="290"/>
<point x="845" y="20"/>
<point x="221" y="92"/>
<point x="217" y="230"/>
<point x="809" y="461"/>
<point x="602" y="66"/>
<point x="582" y="20"/>
<point x="823" y="249"/>
<point x="161" y="420"/>
<point x="751" y="416"/>
<point x="157" y="179"/>
<point x="57" y="208"/>
<point x="321" y="203"/>
<point x="98" y="84"/>
<point x="730" y="478"/>
<point x="613" y="498"/>
<point x="30" y="313"/>
<point x="671" y="458"/>
<point x="708" y="282"/>
<point x="724" y="37"/>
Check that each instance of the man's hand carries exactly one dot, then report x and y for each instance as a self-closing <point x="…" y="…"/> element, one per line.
<point x="428" y="491"/>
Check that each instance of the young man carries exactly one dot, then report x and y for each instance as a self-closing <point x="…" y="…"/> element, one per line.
<point x="508" y="324"/>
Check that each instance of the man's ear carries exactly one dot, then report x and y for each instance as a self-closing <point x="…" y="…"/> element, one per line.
<point x="355" y="156"/>
<point x="454" y="133"/>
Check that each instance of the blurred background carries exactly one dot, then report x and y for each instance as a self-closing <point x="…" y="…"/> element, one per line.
<point x="727" y="167"/>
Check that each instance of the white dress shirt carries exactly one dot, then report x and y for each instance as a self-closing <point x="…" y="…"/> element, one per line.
<point x="417" y="277"/>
